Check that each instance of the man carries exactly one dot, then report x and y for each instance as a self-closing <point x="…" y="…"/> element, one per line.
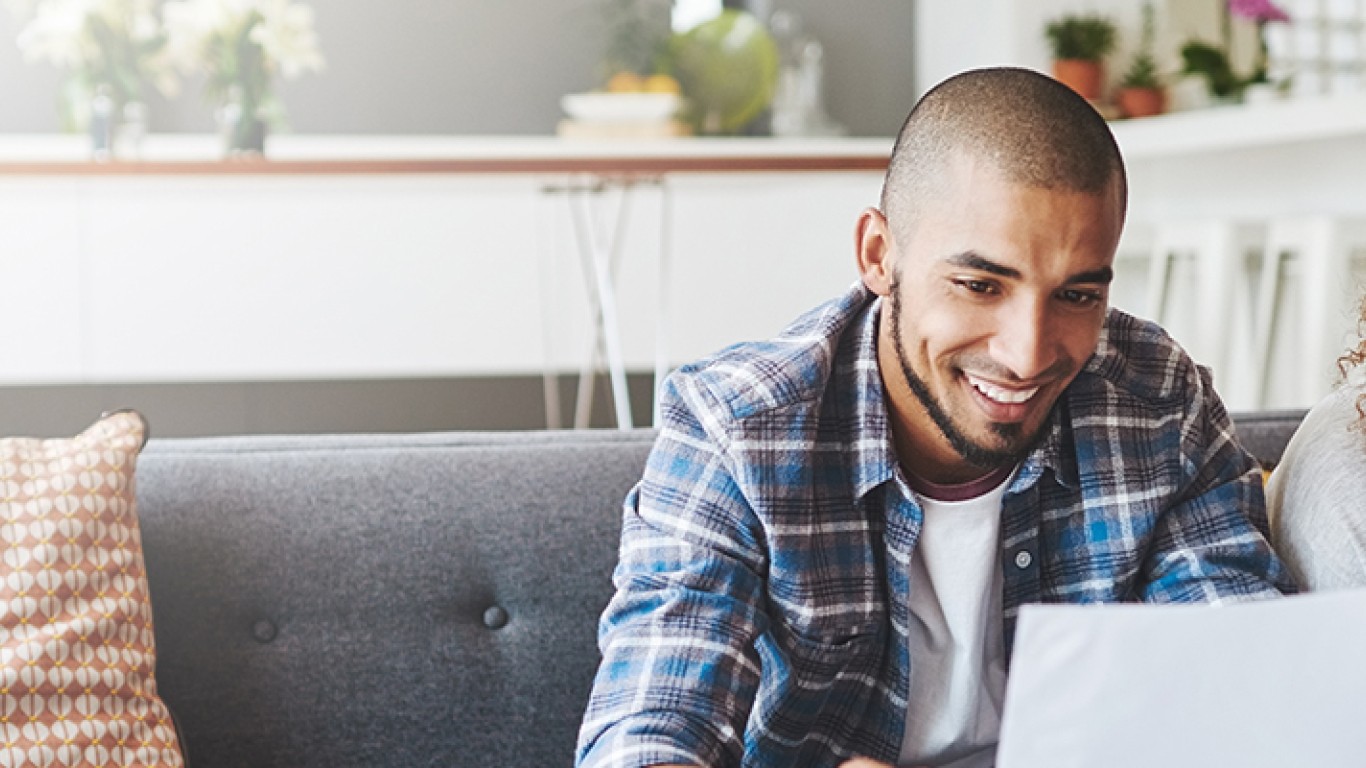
<point x="826" y="555"/>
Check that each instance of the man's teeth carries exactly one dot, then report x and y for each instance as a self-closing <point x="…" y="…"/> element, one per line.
<point x="1008" y="396"/>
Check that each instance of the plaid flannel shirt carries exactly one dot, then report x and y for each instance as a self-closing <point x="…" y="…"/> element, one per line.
<point x="761" y="610"/>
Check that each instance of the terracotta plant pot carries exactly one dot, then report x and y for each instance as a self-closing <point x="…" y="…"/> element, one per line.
<point x="1141" y="102"/>
<point x="1081" y="75"/>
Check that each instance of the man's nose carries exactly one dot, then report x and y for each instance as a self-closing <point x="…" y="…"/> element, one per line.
<point x="1025" y="341"/>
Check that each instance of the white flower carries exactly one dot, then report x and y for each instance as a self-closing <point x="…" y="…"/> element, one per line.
<point x="143" y="25"/>
<point x="285" y="34"/>
<point x="283" y="30"/>
<point x="190" y="25"/>
<point x="57" y="33"/>
<point x="64" y="33"/>
<point x="19" y="8"/>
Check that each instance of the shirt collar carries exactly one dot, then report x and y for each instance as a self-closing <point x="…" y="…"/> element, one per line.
<point x="872" y="459"/>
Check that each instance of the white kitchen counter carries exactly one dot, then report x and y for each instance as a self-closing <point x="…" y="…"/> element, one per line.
<point x="171" y="153"/>
<point x="1226" y="128"/>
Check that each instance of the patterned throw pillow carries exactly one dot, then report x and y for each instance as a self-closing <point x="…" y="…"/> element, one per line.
<point x="77" y="659"/>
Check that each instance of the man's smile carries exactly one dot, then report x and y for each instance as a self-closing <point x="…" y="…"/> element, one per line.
<point x="998" y="393"/>
<point x="1000" y="404"/>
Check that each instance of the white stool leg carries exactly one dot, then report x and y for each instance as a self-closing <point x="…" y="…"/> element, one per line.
<point x="549" y="260"/>
<point x="1318" y="345"/>
<point x="1219" y="248"/>
<point x="1132" y="265"/>
<point x="1215" y="265"/>
<point x="1222" y="262"/>
<point x="664" y="316"/>
<point x="1267" y="309"/>
<point x="1159" y="276"/>
<point x="1329" y="301"/>
<point x="599" y="254"/>
<point x="1321" y="247"/>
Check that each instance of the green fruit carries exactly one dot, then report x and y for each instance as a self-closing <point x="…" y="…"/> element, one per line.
<point x="728" y="68"/>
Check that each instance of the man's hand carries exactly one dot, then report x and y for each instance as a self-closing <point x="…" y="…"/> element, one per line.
<point x="863" y="762"/>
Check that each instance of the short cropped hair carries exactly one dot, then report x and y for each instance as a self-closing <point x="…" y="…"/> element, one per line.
<point x="1035" y="130"/>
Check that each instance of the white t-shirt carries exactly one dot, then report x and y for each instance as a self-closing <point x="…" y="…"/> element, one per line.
<point x="956" y="637"/>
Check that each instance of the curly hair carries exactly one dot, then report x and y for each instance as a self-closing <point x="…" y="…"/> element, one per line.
<point x="1353" y="358"/>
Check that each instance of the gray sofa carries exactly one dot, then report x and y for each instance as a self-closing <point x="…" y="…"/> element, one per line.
<point x="416" y="600"/>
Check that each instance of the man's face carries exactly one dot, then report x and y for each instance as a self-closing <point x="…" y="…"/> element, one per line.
<point x="995" y="299"/>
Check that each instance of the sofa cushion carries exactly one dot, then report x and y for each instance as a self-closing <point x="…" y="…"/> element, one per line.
<point x="1265" y="433"/>
<point x="404" y="600"/>
<point x="77" y="655"/>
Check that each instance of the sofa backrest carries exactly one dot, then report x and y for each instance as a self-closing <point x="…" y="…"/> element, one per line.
<point x="1265" y="433"/>
<point x="417" y="600"/>
<point x="423" y="600"/>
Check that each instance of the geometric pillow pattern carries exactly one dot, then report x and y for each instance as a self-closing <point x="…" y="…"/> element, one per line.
<point x="77" y="651"/>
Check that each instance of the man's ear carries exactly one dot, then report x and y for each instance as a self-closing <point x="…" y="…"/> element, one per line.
<point x="873" y="249"/>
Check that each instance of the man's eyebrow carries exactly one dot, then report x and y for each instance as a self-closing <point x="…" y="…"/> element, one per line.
<point x="1103" y="276"/>
<point x="974" y="260"/>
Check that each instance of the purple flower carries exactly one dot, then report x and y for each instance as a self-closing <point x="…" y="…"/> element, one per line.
<point x="1257" y="10"/>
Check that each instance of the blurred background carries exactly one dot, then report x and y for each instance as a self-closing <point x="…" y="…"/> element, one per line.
<point x="253" y="216"/>
<point x="480" y="67"/>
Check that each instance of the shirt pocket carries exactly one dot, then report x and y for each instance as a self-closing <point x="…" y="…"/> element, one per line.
<point x="816" y="690"/>
<point x="826" y="643"/>
<point x="821" y="627"/>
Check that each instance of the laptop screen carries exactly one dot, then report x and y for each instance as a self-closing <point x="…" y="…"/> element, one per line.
<point x="1266" y="684"/>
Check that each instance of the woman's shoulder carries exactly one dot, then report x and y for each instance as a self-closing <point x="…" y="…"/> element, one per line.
<point x="1315" y="494"/>
<point x="1334" y="424"/>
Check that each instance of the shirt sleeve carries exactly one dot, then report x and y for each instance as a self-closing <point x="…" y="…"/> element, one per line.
<point x="1212" y="544"/>
<point x="679" y="670"/>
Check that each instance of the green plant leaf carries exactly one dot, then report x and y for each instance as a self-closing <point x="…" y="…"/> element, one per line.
<point x="1081" y="36"/>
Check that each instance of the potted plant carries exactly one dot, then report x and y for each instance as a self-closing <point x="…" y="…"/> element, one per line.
<point x="1080" y="43"/>
<point x="242" y="46"/>
<point x="1260" y="12"/>
<point x="637" y="38"/>
<point x="111" y="50"/>
<point x="1140" y="90"/>
<point x="1211" y="63"/>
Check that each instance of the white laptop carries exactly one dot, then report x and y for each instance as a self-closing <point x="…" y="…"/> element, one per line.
<point x="1269" y="684"/>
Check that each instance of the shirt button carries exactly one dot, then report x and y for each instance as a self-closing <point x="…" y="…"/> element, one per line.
<point x="1023" y="559"/>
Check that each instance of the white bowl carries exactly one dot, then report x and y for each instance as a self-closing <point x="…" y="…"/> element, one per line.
<point x="620" y="107"/>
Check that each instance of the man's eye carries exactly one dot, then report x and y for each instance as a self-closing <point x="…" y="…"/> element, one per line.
<point x="975" y="286"/>
<point x="1082" y="298"/>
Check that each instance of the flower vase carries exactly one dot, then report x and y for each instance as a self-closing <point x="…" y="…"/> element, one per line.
<point x="1141" y="102"/>
<point x="242" y="127"/>
<point x="101" y="125"/>
<point x="1081" y="75"/>
<point x="116" y="128"/>
<point x="130" y="131"/>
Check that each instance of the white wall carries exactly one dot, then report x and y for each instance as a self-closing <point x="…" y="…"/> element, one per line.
<point x="490" y="67"/>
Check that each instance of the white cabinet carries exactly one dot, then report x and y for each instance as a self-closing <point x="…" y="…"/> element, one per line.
<point x="126" y="277"/>
<point x="43" y="289"/>
<point x="299" y="277"/>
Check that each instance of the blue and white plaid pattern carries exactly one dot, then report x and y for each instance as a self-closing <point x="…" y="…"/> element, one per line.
<point x="762" y="591"/>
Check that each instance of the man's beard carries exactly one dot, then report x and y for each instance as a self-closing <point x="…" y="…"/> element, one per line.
<point x="1017" y="445"/>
